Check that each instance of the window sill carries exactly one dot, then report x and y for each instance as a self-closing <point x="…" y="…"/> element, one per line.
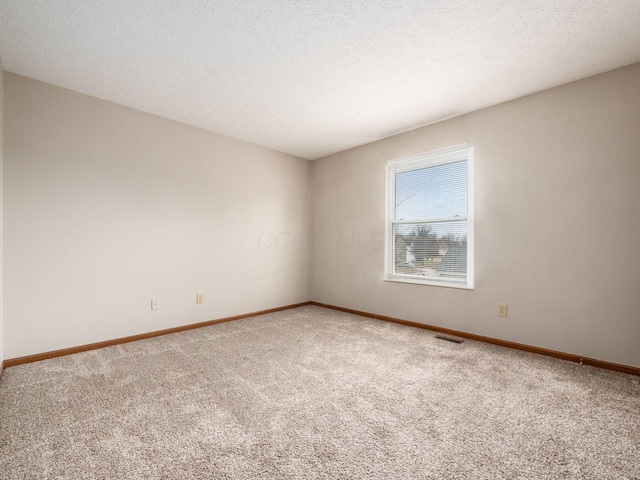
<point x="432" y="283"/>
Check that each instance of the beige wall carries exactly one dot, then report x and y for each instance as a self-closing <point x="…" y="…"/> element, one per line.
<point x="557" y="225"/>
<point x="108" y="207"/>
<point x="1" y="209"/>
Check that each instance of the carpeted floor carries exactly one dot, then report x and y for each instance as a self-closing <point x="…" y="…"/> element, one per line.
<point x="315" y="393"/>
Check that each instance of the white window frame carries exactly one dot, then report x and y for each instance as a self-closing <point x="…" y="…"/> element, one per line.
<point x="424" y="160"/>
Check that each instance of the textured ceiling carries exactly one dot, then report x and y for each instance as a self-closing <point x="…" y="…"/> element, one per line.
<point x="314" y="77"/>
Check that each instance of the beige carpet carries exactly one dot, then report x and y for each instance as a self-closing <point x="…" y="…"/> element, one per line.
<point x="315" y="393"/>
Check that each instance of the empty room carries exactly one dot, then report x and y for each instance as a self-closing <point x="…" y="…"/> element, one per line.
<point x="320" y="239"/>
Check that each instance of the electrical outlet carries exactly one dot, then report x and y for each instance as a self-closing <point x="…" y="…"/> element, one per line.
<point x="345" y="288"/>
<point x="155" y="304"/>
<point x="199" y="298"/>
<point x="502" y="309"/>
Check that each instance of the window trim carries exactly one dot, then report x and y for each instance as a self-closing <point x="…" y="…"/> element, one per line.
<point x="429" y="159"/>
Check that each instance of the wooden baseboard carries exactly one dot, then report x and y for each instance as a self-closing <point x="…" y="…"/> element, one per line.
<point x="495" y="341"/>
<point x="503" y="343"/>
<point x="108" y="343"/>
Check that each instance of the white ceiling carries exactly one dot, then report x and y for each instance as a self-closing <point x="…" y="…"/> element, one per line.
<point x="314" y="77"/>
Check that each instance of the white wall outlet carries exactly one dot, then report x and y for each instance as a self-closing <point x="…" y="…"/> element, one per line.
<point x="199" y="298"/>
<point x="345" y="288"/>
<point x="155" y="304"/>
<point x="502" y="309"/>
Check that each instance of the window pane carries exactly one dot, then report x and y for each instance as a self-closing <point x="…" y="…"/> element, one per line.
<point x="432" y="192"/>
<point x="431" y="250"/>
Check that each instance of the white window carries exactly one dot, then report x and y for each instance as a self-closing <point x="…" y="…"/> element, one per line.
<point x="429" y="221"/>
